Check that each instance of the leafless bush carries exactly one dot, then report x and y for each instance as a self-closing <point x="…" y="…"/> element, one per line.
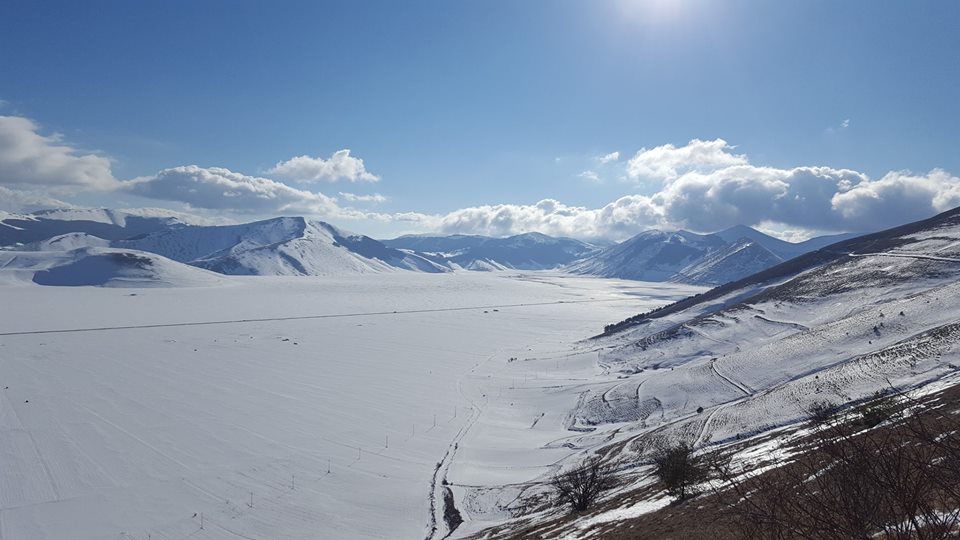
<point x="878" y="410"/>
<point x="581" y="487"/>
<point x="679" y="469"/>
<point x="820" y="412"/>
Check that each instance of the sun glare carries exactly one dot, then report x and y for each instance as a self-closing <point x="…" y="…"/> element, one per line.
<point x="652" y="11"/>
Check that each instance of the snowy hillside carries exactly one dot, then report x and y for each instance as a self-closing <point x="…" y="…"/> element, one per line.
<point x="280" y="246"/>
<point x="783" y="249"/>
<point x="741" y="258"/>
<point x="530" y="251"/>
<point x="836" y="325"/>
<point x="76" y="260"/>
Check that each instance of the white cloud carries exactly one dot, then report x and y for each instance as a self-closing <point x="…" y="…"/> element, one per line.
<point x="621" y="218"/>
<point x="704" y="186"/>
<point x="340" y="166"/>
<point x="31" y="160"/>
<point x="590" y="176"/>
<point x="221" y="189"/>
<point x="845" y="123"/>
<point x="746" y="194"/>
<point x="12" y="200"/>
<point x="371" y="198"/>
<point x="609" y="158"/>
<point x="706" y="196"/>
<point x="898" y="197"/>
<point x="668" y="162"/>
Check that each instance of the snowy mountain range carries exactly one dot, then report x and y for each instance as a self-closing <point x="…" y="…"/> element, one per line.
<point x="688" y="257"/>
<point x="529" y="251"/>
<point x="100" y="222"/>
<point x="281" y="246"/>
<point x="297" y="246"/>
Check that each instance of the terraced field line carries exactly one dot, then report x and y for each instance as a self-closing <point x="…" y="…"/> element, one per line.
<point x="738" y="386"/>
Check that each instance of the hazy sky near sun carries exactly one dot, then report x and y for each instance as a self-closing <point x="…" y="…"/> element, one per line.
<point x="582" y="118"/>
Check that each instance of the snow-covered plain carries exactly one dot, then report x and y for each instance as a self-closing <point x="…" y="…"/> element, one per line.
<point x="330" y="421"/>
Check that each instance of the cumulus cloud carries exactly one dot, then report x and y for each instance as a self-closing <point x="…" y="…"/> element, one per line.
<point x="668" y="162"/>
<point x="371" y="198"/>
<point x="609" y="158"/>
<point x="340" y="166"/>
<point x="29" y="159"/>
<point x="217" y="188"/>
<point x="706" y="187"/>
<point x="746" y="194"/>
<point x="621" y="218"/>
<point x="898" y="197"/>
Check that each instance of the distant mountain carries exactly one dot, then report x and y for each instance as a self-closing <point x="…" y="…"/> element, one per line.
<point x="280" y="246"/>
<point x="530" y="251"/>
<point x="783" y="249"/>
<point x="708" y="259"/>
<point x="741" y="258"/>
<point x="297" y="246"/>
<point x="649" y="256"/>
<point x="100" y="222"/>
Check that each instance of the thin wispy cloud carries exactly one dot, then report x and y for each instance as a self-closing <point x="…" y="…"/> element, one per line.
<point x="28" y="201"/>
<point x="590" y="176"/>
<point x="371" y="198"/>
<point x="609" y="158"/>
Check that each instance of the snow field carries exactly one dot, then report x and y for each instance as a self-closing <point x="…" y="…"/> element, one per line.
<point x="137" y="432"/>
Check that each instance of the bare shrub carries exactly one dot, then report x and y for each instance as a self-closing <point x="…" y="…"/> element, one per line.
<point x="820" y="412"/>
<point x="679" y="469"/>
<point x="581" y="487"/>
<point x="878" y="410"/>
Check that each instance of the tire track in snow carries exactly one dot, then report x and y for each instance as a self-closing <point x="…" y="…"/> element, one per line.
<point x="304" y="317"/>
<point x="126" y="432"/>
<point x="36" y="449"/>
<point x="437" y="501"/>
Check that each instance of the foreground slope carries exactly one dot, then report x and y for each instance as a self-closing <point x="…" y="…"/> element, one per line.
<point x="836" y="325"/>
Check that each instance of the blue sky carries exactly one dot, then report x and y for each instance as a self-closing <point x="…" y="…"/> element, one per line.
<point x="466" y="114"/>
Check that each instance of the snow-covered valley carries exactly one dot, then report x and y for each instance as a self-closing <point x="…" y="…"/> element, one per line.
<point x="170" y="401"/>
<point x="132" y="413"/>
